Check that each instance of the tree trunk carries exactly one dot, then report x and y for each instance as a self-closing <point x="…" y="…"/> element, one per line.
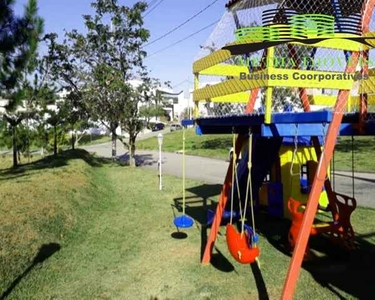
<point x="73" y="140"/>
<point x="114" y="148"/>
<point x="132" y="151"/>
<point x="55" y="140"/>
<point x="14" y="144"/>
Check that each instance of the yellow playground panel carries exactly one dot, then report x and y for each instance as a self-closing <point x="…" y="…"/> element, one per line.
<point x="226" y="76"/>
<point x="295" y="171"/>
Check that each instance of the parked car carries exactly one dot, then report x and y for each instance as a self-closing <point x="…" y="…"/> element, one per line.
<point x="158" y="126"/>
<point x="175" y="127"/>
<point x="97" y="131"/>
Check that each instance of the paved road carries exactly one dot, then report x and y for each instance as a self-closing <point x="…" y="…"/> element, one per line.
<point x="106" y="145"/>
<point x="212" y="171"/>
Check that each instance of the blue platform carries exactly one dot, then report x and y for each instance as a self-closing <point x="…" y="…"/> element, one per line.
<point x="282" y="124"/>
<point x="183" y="222"/>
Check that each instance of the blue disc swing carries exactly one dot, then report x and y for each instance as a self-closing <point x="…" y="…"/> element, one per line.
<point x="183" y="221"/>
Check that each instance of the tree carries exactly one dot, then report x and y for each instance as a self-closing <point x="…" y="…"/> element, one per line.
<point x="107" y="58"/>
<point x="57" y="117"/>
<point x="19" y="38"/>
<point x="145" y="95"/>
<point x="21" y="141"/>
<point x="67" y="73"/>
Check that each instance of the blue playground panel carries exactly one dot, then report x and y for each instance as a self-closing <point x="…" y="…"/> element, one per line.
<point x="301" y="141"/>
<point x="275" y="199"/>
<point x="187" y="122"/>
<point x="282" y="124"/>
<point x="264" y="152"/>
<point x="225" y="217"/>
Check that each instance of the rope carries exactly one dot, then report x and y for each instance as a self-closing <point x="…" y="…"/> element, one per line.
<point x="295" y="153"/>
<point x="248" y="188"/>
<point x="233" y="174"/>
<point x="251" y="184"/>
<point x="353" y="166"/>
<point x="238" y="193"/>
<point x="235" y="178"/>
<point x="292" y="174"/>
<point x="183" y="171"/>
<point x="323" y="156"/>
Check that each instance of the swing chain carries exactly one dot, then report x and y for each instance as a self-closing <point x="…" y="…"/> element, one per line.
<point x="323" y="153"/>
<point x="234" y="171"/>
<point x="295" y="152"/>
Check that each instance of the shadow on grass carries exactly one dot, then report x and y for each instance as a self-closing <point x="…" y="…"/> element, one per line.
<point x="197" y="206"/>
<point x="204" y="197"/>
<point x="218" y="143"/>
<point x="220" y="262"/>
<point x="141" y="160"/>
<point x="259" y="281"/>
<point x="359" y="178"/>
<point x="342" y="271"/>
<point x="52" y="161"/>
<point x="45" y="252"/>
<point x="366" y="144"/>
<point x="178" y="235"/>
<point x="332" y="267"/>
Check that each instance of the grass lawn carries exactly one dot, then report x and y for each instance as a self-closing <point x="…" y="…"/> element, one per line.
<point x="87" y="140"/>
<point x="76" y="227"/>
<point x="218" y="146"/>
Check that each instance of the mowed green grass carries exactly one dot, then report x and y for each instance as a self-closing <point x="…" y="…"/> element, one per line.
<point x="106" y="231"/>
<point x="88" y="140"/>
<point x="218" y="146"/>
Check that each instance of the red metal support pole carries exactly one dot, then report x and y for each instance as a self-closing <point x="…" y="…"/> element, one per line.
<point x="313" y="200"/>
<point x="251" y="103"/>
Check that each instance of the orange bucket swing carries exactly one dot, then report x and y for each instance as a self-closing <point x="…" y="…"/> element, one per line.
<point x="242" y="245"/>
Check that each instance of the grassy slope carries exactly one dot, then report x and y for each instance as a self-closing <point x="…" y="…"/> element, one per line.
<point x="87" y="140"/>
<point x="41" y="204"/>
<point x="117" y="244"/>
<point x="217" y="146"/>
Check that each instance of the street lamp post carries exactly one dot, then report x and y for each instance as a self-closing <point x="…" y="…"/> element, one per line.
<point x="160" y="142"/>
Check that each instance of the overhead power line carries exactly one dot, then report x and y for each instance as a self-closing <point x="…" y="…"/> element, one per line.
<point x="182" y="24"/>
<point x="184" y="39"/>
<point x="152" y="9"/>
<point x="182" y="82"/>
<point x="151" y="3"/>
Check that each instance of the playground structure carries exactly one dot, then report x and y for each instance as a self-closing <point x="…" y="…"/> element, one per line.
<point x="291" y="175"/>
<point x="278" y="70"/>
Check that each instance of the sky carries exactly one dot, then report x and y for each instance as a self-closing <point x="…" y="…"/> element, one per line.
<point x="174" y="64"/>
